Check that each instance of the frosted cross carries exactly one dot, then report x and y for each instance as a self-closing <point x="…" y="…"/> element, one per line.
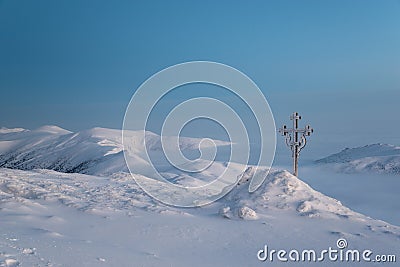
<point x="293" y="140"/>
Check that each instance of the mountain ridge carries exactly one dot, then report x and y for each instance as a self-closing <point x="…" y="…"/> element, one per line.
<point x="97" y="151"/>
<point x="379" y="158"/>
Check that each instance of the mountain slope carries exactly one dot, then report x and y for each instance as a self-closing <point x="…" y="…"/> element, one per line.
<point x="380" y="158"/>
<point x="96" y="151"/>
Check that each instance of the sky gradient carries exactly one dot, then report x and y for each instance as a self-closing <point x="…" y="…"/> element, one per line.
<point x="76" y="64"/>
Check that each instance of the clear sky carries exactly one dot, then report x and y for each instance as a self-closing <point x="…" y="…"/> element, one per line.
<point x="77" y="63"/>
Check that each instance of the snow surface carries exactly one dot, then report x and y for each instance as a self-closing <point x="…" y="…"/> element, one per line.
<point x="380" y="158"/>
<point x="59" y="219"/>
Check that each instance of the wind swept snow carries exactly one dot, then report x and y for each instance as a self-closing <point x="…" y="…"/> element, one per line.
<point x="111" y="221"/>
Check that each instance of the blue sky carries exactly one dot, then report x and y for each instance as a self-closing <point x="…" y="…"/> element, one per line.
<point x="77" y="63"/>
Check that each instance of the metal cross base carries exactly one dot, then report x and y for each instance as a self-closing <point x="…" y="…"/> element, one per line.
<point x="292" y="139"/>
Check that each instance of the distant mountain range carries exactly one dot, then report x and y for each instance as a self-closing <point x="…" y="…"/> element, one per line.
<point x="97" y="151"/>
<point x="380" y="158"/>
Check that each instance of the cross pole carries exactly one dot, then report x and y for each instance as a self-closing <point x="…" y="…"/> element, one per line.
<point x="293" y="140"/>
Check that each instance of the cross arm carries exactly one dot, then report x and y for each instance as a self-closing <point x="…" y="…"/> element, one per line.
<point x="284" y="130"/>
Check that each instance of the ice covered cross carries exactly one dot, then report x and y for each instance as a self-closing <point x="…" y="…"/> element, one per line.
<point x="295" y="138"/>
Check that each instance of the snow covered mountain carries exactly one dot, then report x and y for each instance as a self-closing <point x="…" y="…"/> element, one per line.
<point x="63" y="191"/>
<point x="97" y="151"/>
<point x="380" y="158"/>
